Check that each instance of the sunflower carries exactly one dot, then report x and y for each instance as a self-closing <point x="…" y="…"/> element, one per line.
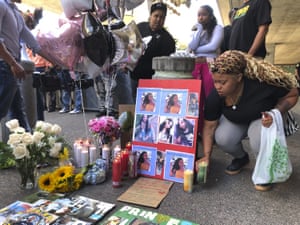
<point x="63" y="172"/>
<point x="46" y="182"/>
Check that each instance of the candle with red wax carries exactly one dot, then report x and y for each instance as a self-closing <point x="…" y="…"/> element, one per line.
<point x="124" y="161"/>
<point x="116" y="172"/>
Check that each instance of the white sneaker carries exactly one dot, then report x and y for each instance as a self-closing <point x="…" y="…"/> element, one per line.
<point x="75" y="111"/>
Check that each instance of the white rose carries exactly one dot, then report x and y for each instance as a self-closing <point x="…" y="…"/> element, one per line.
<point x="37" y="137"/>
<point x="12" y="124"/>
<point x="19" y="130"/>
<point x="39" y="124"/>
<point x="55" y="129"/>
<point x="54" y="151"/>
<point x="46" y="127"/>
<point x="20" y="151"/>
<point x="51" y="140"/>
<point x="27" y="138"/>
<point x="14" y="139"/>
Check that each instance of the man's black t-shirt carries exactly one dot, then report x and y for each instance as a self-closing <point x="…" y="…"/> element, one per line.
<point x="245" y="25"/>
<point x="257" y="97"/>
<point x="161" y="44"/>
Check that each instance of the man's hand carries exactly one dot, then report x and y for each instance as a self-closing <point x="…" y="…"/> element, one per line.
<point x="18" y="71"/>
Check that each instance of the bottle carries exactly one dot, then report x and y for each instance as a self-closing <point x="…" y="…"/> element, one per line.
<point x="116" y="172"/>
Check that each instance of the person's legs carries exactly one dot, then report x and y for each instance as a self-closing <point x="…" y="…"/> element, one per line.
<point x="100" y="90"/>
<point x="77" y="96"/>
<point x="207" y="85"/>
<point x="229" y="137"/>
<point x="123" y="89"/>
<point x="134" y="86"/>
<point x="254" y="132"/>
<point x="17" y="110"/>
<point x="8" y="88"/>
<point x="40" y="104"/>
<point x="52" y="101"/>
<point x="66" y="101"/>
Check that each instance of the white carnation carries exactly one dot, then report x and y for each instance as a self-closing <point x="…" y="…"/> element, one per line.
<point x="56" y="129"/>
<point x="37" y="136"/>
<point x="12" y="124"/>
<point x="20" y="151"/>
<point x="54" y="151"/>
<point x="27" y="138"/>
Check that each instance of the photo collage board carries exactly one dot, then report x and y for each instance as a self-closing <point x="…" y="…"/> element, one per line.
<point x="165" y="127"/>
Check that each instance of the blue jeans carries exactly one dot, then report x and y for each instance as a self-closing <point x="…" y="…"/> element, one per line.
<point x="66" y="91"/>
<point x="8" y="88"/>
<point x="123" y="88"/>
<point x="17" y="109"/>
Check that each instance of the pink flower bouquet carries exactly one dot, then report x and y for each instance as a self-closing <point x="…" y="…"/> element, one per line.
<point x="106" y="128"/>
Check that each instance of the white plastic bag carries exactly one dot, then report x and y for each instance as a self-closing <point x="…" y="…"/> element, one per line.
<point x="273" y="164"/>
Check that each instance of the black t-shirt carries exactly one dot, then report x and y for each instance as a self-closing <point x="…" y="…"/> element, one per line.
<point x="257" y="97"/>
<point x="161" y="44"/>
<point x="245" y="25"/>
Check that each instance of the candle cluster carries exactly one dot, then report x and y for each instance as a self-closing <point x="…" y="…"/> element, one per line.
<point x="85" y="152"/>
<point x="120" y="164"/>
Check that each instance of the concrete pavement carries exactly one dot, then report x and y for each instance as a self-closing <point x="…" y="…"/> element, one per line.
<point x="223" y="199"/>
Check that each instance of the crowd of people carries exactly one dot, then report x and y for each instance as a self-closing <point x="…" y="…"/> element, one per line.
<point x="228" y="61"/>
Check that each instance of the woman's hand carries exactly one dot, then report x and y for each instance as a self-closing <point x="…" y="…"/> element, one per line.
<point x="266" y="119"/>
<point x="203" y="159"/>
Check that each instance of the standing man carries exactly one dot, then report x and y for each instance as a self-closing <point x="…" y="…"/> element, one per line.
<point x="161" y="44"/>
<point x="12" y="31"/>
<point x="250" y="26"/>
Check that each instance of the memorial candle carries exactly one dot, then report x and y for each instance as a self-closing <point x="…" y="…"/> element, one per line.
<point x="124" y="161"/>
<point x="116" y="172"/>
<point x="93" y="153"/>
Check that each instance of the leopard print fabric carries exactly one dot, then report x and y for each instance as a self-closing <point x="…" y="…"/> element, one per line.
<point x="236" y="62"/>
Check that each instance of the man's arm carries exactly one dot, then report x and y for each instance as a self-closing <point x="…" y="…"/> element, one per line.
<point x="259" y="39"/>
<point x="15" y="67"/>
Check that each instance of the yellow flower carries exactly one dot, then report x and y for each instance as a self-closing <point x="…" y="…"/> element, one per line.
<point x="47" y="183"/>
<point x="65" y="154"/>
<point x="63" y="172"/>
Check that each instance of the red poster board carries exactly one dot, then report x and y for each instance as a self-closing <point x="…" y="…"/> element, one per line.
<point x="166" y="127"/>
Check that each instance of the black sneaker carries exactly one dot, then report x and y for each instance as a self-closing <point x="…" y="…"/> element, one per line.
<point x="237" y="165"/>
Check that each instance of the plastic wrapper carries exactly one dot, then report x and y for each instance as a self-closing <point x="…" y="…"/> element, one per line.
<point x="97" y="173"/>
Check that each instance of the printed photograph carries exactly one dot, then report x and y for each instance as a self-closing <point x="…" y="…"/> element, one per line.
<point x="145" y="128"/>
<point x="148" y="100"/>
<point x="176" y="163"/>
<point x="193" y="104"/>
<point x="146" y="159"/>
<point x="173" y="102"/>
<point x="184" y="132"/>
<point x="160" y="160"/>
<point x="166" y="129"/>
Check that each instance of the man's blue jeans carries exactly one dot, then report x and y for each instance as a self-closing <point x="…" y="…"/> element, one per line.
<point x="8" y="88"/>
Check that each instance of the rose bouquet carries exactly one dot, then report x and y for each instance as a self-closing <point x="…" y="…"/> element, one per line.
<point x="29" y="150"/>
<point x="105" y="128"/>
<point x="62" y="180"/>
